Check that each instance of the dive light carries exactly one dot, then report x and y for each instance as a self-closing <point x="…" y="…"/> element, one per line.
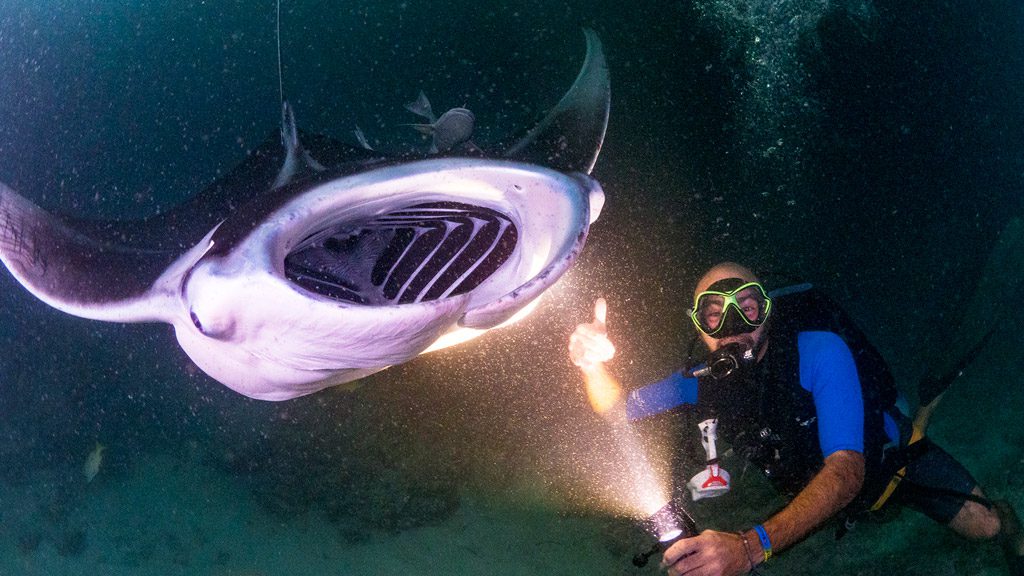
<point x="669" y="524"/>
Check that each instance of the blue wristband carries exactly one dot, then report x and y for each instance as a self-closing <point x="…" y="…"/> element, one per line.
<point x="762" y="535"/>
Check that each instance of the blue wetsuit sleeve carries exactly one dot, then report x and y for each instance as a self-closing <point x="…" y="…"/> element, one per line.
<point x="828" y="372"/>
<point x="675" y="390"/>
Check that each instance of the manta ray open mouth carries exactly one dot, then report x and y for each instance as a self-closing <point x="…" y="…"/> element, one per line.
<point x="419" y="253"/>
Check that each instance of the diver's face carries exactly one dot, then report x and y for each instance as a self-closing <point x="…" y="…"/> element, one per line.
<point x="712" y="310"/>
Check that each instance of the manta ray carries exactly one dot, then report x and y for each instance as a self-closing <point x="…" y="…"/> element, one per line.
<point x="314" y="263"/>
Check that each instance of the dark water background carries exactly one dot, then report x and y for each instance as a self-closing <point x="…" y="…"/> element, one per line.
<point x="874" y="148"/>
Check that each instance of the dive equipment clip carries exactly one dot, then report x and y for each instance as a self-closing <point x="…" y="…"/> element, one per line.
<point x="713" y="480"/>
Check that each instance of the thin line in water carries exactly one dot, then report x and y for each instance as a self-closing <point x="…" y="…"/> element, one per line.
<point x="280" y="68"/>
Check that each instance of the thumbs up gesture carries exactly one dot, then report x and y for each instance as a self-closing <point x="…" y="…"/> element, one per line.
<point x="589" y="345"/>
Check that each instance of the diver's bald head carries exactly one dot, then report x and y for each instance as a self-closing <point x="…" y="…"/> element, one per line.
<point x="722" y="271"/>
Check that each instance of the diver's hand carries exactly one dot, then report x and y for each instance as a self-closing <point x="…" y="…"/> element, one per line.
<point x="589" y="346"/>
<point x="710" y="553"/>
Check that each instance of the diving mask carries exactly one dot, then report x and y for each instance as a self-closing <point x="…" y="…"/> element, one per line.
<point x="730" y="307"/>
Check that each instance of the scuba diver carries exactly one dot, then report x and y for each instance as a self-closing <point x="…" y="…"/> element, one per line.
<point x="798" y="391"/>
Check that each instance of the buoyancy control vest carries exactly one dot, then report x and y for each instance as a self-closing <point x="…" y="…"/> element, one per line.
<point x="770" y="419"/>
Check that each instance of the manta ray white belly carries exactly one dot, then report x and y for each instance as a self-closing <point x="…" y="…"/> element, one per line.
<point x="368" y="271"/>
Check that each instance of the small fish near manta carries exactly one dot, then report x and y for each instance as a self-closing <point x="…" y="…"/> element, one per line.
<point x="343" y="261"/>
<point x="454" y="129"/>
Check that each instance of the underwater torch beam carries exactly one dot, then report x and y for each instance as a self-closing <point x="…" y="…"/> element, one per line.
<point x="670" y="522"/>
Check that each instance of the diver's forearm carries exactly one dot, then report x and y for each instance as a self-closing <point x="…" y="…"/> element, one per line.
<point x="829" y="491"/>
<point x="603" y="390"/>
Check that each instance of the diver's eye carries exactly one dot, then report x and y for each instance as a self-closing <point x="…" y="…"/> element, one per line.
<point x="195" y="320"/>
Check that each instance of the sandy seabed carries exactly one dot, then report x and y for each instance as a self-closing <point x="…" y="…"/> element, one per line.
<point x="169" y="517"/>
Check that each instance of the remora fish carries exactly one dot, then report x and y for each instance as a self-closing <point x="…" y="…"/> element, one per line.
<point x="343" y="261"/>
<point x="453" y="129"/>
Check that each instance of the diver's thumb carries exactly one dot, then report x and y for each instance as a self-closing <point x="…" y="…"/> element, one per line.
<point x="601" y="314"/>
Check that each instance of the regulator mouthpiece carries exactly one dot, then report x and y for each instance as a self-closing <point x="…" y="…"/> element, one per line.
<point x="723" y="362"/>
<point x="669" y="524"/>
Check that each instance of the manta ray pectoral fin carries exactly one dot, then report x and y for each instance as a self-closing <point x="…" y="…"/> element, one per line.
<point x="570" y="136"/>
<point x="76" y="271"/>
